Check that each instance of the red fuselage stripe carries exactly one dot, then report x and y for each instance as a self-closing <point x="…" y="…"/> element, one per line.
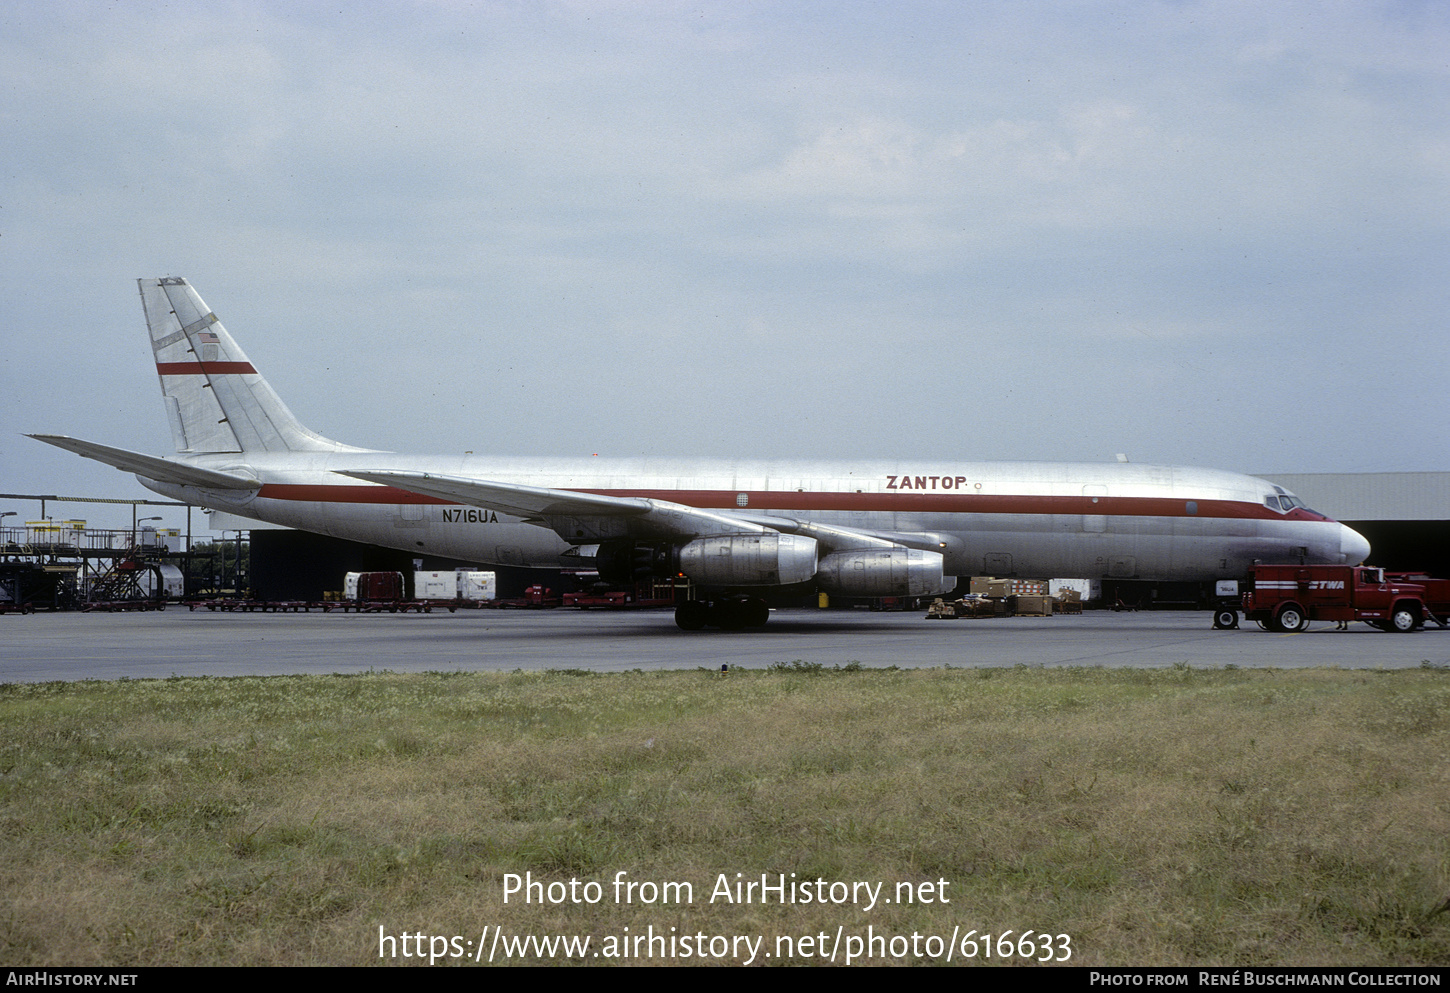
<point x="204" y="368"/>
<point x="790" y="500"/>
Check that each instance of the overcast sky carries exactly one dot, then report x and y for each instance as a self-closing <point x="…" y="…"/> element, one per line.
<point x="1202" y="233"/>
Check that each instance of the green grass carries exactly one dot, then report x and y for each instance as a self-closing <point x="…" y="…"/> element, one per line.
<point x="1174" y="816"/>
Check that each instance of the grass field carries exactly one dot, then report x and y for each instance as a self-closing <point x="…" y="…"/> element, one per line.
<point x="1172" y="816"/>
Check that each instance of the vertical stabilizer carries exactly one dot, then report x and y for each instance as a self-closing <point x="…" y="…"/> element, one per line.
<point x="214" y="397"/>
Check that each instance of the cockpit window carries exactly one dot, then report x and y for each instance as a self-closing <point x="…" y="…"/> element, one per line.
<point x="1284" y="503"/>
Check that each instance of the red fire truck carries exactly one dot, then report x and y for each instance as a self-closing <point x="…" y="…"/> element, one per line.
<point x="1288" y="597"/>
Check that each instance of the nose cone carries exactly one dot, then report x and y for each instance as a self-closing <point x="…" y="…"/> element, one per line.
<point x="1352" y="545"/>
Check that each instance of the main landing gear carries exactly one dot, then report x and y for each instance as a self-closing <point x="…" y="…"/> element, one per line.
<point x="731" y="613"/>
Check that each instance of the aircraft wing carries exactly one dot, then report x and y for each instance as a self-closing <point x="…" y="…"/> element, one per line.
<point x="159" y="469"/>
<point x="587" y="517"/>
<point x="572" y="514"/>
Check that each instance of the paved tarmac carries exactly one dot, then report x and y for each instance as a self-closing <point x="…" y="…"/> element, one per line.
<point x="73" y="646"/>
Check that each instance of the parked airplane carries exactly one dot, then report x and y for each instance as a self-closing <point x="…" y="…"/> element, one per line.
<point x="904" y="527"/>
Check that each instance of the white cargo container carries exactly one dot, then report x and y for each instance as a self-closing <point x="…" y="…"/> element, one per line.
<point x="474" y="584"/>
<point x="435" y="586"/>
<point x="1088" y="589"/>
<point x="456" y="584"/>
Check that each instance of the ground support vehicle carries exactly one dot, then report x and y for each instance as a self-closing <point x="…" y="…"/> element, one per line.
<point x="602" y="598"/>
<point x="1437" y="594"/>
<point x="534" y="598"/>
<point x="1287" y="597"/>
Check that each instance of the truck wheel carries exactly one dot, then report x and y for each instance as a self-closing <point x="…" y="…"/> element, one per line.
<point x="1225" y="619"/>
<point x="1291" y="620"/>
<point x="1404" y="619"/>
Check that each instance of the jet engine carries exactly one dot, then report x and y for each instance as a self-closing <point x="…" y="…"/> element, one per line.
<point x="884" y="572"/>
<point x="766" y="559"/>
<point x="755" y="559"/>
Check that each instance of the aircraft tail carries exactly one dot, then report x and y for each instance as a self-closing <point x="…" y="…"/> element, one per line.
<point x="215" y="399"/>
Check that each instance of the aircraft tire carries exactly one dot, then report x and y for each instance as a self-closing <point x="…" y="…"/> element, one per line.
<point x="1225" y="619"/>
<point x="731" y="614"/>
<point x="691" y="615"/>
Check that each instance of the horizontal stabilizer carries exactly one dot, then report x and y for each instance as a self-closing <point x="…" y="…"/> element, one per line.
<point x="161" y="470"/>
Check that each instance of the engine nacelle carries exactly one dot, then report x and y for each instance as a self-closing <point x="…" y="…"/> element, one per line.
<point x="884" y="572"/>
<point x="765" y="559"/>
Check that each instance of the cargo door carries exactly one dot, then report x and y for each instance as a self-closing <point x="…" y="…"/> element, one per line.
<point x="410" y="515"/>
<point x="1122" y="566"/>
<point x="997" y="564"/>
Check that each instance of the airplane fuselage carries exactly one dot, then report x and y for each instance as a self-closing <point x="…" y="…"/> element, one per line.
<point x="1035" y="519"/>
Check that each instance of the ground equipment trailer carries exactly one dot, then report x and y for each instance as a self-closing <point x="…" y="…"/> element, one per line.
<point x="1288" y="597"/>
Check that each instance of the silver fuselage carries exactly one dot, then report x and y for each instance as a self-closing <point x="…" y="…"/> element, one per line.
<point x="1037" y="519"/>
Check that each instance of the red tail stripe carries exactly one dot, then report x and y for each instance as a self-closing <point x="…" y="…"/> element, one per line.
<point x="204" y="368"/>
